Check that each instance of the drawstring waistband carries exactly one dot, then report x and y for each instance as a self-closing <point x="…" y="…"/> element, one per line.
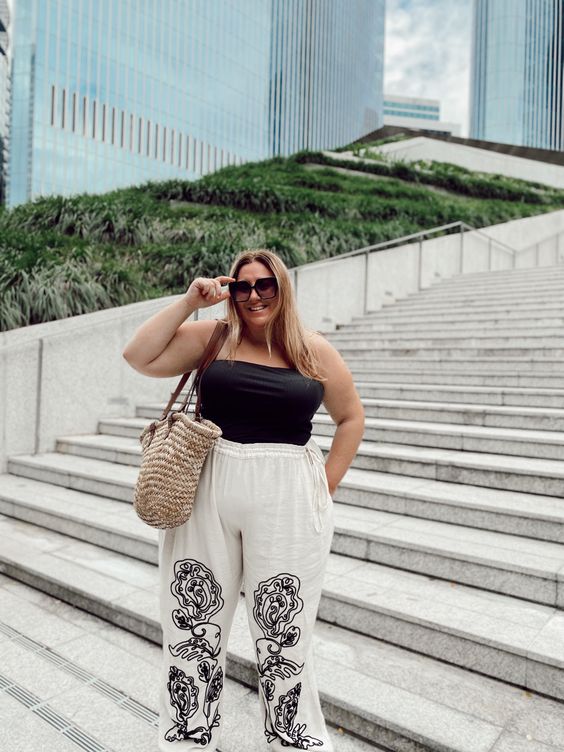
<point x="320" y="499"/>
<point x="320" y="496"/>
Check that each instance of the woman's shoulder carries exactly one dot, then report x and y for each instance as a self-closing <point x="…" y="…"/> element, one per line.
<point x="326" y="353"/>
<point x="316" y="339"/>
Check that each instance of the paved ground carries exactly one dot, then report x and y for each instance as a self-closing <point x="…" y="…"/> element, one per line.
<point x="70" y="681"/>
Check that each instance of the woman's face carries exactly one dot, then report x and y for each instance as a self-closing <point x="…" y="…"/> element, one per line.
<point x="256" y="312"/>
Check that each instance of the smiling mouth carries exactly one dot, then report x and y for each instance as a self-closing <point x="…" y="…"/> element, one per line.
<point x="257" y="308"/>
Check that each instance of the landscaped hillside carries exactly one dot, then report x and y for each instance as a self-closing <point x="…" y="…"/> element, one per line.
<point x="64" y="256"/>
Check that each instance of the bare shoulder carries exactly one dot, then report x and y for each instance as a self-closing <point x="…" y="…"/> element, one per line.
<point x="340" y="396"/>
<point x="200" y="330"/>
<point x="328" y="355"/>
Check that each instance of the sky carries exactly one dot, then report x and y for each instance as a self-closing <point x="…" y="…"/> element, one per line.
<point x="427" y="53"/>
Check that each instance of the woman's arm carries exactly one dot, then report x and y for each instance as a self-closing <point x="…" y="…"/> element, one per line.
<point x="167" y="344"/>
<point x="345" y="408"/>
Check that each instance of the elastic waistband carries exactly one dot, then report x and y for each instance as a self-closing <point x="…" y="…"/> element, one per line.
<point x="264" y="449"/>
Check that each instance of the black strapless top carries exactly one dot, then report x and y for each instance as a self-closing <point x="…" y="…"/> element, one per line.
<point x="253" y="403"/>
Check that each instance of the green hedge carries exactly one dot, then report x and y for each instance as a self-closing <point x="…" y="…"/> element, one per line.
<point x="65" y="256"/>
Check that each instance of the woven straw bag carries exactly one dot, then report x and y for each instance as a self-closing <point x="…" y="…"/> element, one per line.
<point x="174" y="449"/>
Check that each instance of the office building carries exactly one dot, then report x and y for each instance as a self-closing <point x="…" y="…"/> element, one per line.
<point x="416" y="112"/>
<point x="518" y="72"/>
<point x="108" y="94"/>
<point x="4" y="95"/>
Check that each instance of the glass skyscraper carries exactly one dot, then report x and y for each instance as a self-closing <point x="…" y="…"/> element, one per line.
<point x="109" y="93"/>
<point x="4" y="95"/>
<point x="518" y="72"/>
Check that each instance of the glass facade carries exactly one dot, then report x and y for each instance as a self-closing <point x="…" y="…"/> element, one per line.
<point x="517" y="72"/>
<point x="108" y="94"/>
<point x="4" y="95"/>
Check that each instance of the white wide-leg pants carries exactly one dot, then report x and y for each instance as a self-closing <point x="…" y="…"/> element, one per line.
<point x="262" y="518"/>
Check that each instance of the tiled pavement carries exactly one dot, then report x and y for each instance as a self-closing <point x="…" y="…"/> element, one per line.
<point x="71" y="681"/>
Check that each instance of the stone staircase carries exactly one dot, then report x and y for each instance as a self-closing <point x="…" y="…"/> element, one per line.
<point x="441" y="624"/>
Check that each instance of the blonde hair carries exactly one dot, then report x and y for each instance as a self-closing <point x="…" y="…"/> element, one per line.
<point x="284" y="327"/>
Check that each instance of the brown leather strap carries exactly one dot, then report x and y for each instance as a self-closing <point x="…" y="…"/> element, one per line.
<point x="212" y="349"/>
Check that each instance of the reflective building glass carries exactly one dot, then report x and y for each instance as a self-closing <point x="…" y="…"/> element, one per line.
<point x="108" y="94"/>
<point x="4" y="95"/>
<point x="517" y="72"/>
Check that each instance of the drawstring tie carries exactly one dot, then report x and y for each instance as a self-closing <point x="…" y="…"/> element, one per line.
<point x="320" y="499"/>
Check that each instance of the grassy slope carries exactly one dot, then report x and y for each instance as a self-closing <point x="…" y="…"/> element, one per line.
<point x="64" y="256"/>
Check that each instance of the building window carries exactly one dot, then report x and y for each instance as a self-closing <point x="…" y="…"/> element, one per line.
<point x="164" y="144"/>
<point x="52" y="105"/>
<point x="156" y="140"/>
<point x="113" y="125"/>
<point x="148" y="152"/>
<point x="131" y="133"/>
<point x="84" y="116"/>
<point x="74" y="112"/>
<point x="63" y="106"/>
<point x="122" y="135"/>
<point x="94" y="119"/>
<point x="179" y="149"/>
<point x="103" y="122"/>
<point x="139" y="135"/>
<point x="172" y="147"/>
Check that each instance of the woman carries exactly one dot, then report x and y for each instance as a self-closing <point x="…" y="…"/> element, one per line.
<point x="262" y="517"/>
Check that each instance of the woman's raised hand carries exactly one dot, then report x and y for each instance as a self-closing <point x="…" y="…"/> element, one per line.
<point x="206" y="291"/>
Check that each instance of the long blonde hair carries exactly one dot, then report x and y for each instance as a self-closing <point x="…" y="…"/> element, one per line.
<point x="284" y="327"/>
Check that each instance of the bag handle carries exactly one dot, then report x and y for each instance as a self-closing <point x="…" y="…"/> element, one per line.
<point x="212" y="349"/>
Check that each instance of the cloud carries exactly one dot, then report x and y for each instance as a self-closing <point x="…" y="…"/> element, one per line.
<point x="427" y="53"/>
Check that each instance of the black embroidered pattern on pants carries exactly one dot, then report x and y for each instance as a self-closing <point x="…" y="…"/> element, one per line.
<point x="276" y="604"/>
<point x="199" y="596"/>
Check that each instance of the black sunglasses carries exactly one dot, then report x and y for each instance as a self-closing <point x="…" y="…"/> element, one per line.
<point x="266" y="287"/>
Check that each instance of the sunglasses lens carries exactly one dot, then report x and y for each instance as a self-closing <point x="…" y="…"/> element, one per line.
<point x="266" y="287"/>
<point x="240" y="291"/>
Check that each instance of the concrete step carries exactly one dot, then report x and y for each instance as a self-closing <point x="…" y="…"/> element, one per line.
<point x="490" y="305"/>
<point x="530" y="293"/>
<point x="447" y="335"/>
<point x="503" y="416"/>
<point x="469" y="364"/>
<point x="484" y="395"/>
<point x="114" y="476"/>
<point x="511" y="512"/>
<point x="534" y="516"/>
<point x="472" y="301"/>
<point x="493" y="309"/>
<point x="513" y="317"/>
<point x="517" y="442"/>
<point x="525" y="327"/>
<point x="503" y="637"/>
<point x="70" y="680"/>
<point x="542" y="347"/>
<point x="526" y="286"/>
<point x="505" y="472"/>
<point x="545" y="444"/>
<point x="506" y="416"/>
<point x="504" y="276"/>
<point x="430" y="376"/>
<point x="504" y="563"/>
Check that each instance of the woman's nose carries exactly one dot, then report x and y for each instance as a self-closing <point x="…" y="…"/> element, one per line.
<point x="254" y="297"/>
